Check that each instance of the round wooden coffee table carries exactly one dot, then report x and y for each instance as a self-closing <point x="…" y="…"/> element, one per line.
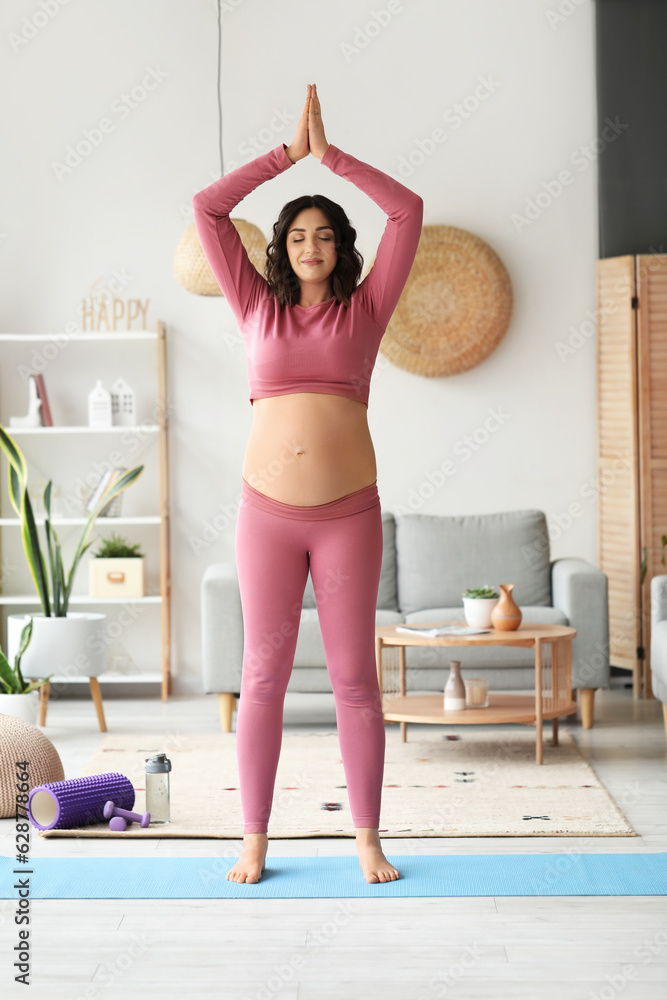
<point x="553" y="679"/>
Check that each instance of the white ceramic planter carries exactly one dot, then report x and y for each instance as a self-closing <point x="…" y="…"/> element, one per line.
<point x="21" y="706"/>
<point x="477" y="610"/>
<point x="73" y="646"/>
<point x="117" y="577"/>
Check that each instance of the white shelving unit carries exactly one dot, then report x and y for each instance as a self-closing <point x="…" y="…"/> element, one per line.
<point x="161" y="430"/>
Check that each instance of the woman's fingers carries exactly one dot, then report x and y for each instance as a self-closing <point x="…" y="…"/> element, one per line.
<point x="314" y="99"/>
<point x="316" y="138"/>
<point x="299" y="147"/>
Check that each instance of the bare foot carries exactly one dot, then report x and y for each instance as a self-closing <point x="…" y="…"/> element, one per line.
<point x="250" y="864"/>
<point x="373" y="863"/>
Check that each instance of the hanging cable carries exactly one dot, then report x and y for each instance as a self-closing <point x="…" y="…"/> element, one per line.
<point x="219" y="96"/>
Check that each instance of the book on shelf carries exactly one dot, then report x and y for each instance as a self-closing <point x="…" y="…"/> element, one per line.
<point x="112" y="508"/>
<point x="435" y="630"/>
<point x="47" y="420"/>
<point x="97" y="492"/>
<point x="104" y="484"/>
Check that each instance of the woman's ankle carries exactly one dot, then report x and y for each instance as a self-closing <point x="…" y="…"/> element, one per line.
<point x="367" y="833"/>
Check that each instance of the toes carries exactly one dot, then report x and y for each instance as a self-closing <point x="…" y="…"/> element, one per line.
<point x="240" y="876"/>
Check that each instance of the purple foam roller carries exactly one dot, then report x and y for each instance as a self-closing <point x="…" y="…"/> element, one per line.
<point x="60" y="805"/>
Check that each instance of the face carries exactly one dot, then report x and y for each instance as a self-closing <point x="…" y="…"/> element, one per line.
<point x="310" y="237"/>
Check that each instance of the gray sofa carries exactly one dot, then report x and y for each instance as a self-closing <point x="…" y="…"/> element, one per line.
<point x="428" y="561"/>
<point x="659" y="641"/>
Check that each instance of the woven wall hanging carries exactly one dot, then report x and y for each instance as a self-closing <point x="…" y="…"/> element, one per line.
<point x="455" y="306"/>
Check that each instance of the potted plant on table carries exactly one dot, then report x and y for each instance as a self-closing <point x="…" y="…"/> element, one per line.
<point x="117" y="569"/>
<point x="478" y="603"/>
<point x="17" y="697"/>
<point x="65" y="640"/>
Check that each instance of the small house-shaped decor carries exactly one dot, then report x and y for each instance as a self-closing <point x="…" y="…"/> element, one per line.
<point x="122" y="404"/>
<point x="99" y="406"/>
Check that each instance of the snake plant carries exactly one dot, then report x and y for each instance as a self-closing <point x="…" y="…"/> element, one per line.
<point x="12" y="681"/>
<point x="60" y="583"/>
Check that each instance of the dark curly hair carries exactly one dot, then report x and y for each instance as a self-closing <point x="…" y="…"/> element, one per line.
<point x="278" y="270"/>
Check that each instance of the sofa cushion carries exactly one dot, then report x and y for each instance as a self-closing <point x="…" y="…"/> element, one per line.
<point x="387" y="592"/>
<point x="440" y="556"/>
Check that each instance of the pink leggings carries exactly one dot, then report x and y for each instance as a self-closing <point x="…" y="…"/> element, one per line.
<point x="275" y="544"/>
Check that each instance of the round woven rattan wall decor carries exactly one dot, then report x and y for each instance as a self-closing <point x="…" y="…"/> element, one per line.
<point x="193" y="271"/>
<point x="455" y="306"/>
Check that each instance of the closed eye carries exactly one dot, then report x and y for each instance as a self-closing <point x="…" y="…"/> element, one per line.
<point x="325" y="238"/>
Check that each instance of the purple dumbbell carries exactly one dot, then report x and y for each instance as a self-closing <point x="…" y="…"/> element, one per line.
<point x="117" y="823"/>
<point x="111" y="809"/>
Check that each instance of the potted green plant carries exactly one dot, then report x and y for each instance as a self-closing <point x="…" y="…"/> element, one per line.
<point x="67" y="641"/>
<point x="18" y="697"/>
<point x="117" y="569"/>
<point x="644" y="562"/>
<point x="478" y="603"/>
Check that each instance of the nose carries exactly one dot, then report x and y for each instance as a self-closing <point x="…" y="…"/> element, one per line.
<point x="310" y="249"/>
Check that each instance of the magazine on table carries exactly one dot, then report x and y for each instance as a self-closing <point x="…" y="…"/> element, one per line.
<point x="436" y="630"/>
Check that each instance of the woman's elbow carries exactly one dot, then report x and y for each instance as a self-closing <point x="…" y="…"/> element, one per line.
<point x="199" y="201"/>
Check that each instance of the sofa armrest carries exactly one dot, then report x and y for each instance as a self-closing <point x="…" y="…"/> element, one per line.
<point x="579" y="590"/>
<point x="222" y="629"/>
<point x="658" y="599"/>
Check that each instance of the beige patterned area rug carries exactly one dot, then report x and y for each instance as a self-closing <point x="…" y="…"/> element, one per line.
<point x="471" y="784"/>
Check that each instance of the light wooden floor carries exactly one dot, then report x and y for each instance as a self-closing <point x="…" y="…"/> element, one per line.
<point x="505" y="948"/>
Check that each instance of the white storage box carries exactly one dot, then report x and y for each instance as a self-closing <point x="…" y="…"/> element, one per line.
<point x="121" y="577"/>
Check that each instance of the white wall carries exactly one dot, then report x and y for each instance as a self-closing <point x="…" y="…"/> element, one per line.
<point x="125" y="206"/>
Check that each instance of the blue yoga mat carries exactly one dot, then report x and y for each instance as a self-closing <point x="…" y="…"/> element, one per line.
<point x="312" y="877"/>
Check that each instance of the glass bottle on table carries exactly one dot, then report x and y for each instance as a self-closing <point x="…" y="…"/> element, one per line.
<point x="455" y="693"/>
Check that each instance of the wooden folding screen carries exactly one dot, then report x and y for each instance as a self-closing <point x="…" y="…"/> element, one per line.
<point x="632" y="447"/>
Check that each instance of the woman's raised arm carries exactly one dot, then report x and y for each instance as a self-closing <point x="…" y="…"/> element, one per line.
<point x="381" y="289"/>
<point x="240" y="281"/>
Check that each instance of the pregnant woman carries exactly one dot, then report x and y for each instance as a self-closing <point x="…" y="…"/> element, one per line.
<point x="309" y="497"/>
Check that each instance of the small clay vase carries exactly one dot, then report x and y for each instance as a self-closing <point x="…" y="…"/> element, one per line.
<point x="454" y="699"/>
<point x="506" y="615"/>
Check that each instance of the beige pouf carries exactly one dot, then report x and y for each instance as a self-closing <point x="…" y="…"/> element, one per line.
<point x="19" y="741"/>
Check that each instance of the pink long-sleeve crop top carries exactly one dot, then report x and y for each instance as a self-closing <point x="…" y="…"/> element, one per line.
<point x="327" y="347"/>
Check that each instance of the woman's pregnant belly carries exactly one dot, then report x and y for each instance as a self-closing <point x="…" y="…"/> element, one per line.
<point x="308" y="448"/>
